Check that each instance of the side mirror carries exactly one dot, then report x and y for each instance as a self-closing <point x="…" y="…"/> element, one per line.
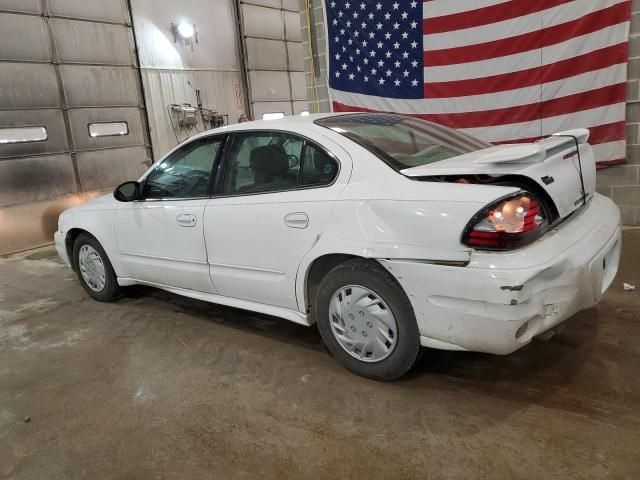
<point x="127" y="192"/>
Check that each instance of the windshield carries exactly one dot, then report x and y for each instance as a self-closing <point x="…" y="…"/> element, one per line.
<point x="403" y="141"/>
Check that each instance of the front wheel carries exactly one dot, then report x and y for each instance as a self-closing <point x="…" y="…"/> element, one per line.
<point x="367" y="321"/>
<point x="94" y="269"/>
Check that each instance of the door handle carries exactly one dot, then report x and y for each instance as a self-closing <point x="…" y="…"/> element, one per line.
<point x="297" y="220"/>
<point x="186" y="220"/>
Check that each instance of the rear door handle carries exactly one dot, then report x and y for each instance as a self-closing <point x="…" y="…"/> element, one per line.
<point x="186" y="220"/>
<point x="297" y="220"/>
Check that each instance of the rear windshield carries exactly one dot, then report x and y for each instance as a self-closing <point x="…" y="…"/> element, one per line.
<point x="403" y="141"/>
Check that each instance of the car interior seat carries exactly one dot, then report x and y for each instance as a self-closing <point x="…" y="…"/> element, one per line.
<point x="270" y="167"/>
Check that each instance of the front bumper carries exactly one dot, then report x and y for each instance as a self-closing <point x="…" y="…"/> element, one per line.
<point x="59" y="238"/>
<point x="501" y="300"/>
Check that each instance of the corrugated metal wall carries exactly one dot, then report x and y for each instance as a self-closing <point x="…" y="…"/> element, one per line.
<point x="65" y="64"/>
<point x="171" y="70"/>
<point x="274" y="59"/>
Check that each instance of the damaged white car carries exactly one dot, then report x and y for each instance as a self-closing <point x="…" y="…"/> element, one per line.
<point x="389" y="232"/>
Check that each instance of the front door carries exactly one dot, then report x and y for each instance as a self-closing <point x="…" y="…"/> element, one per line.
<point x="276" y="197"/>
<point x="161" y="237"/>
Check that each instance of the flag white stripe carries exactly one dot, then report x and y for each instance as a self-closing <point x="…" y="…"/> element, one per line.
<point x="536" y="128"/>
<point x="440" y="8"/>
<point x="605" y="152"/>
<point x="516" y="26"/>
<point x="522" y="61"/>
<point x="490" y="101"/>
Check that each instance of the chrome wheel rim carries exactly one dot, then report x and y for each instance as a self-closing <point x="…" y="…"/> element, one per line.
<point x="362" y="323"/>
<point x="91" y="268"/>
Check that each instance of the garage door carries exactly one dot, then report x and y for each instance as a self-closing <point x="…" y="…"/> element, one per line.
<point x="72" y="121"/>
<point x="272" y="43"/>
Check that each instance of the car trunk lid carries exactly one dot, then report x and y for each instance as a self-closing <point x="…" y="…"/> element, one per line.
<point x="562" y="164"/>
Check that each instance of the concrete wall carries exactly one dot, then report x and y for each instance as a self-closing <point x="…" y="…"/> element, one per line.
<point x="620" y="183"/>
<point x="212" y="66"/>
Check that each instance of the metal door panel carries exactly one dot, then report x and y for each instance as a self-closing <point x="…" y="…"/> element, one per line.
<point x="51" y="119"/>
<point x="292" y="25"/>
<point x="89" y="42"/>
<point x="263" y="22"/>
<point x="292" y="5"/>
<point x="266" y="54"/>
<point x="33" y="224"/>
<point x="34" y="179"/>
<point x="266" y="3"/>
<point x="31" y="86"/>
<point x="296" y="56"/>
<point x="92" y="86"/>
<point x="106" y="168"/>
<point x="31" y="6"/>
<point x="104" y="10"/>
<point x="81" y="118"/>
<point x="63" y="97"/>
<point x="23" y="37"/>
<point x="269" y="85"/>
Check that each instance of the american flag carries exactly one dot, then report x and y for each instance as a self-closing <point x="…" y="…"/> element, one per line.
<point x="503" y="71"/>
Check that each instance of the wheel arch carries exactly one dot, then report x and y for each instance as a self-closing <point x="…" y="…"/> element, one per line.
<point x="316" y="270"/>
<point x="70" y="240"/>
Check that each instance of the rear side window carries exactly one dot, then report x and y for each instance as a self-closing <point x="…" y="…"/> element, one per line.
<point x="275" y="161"/>
<point x="318" y="168"/>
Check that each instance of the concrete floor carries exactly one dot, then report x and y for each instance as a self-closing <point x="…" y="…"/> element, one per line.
<point x="156" y="386"/>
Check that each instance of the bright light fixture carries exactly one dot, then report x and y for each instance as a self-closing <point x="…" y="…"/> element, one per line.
<point x="186" y="30"/>
<point x="272" y="115"/>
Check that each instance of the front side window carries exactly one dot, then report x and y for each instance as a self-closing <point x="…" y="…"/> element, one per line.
<point x="185" y="173"/>
<point x="403" y="141"/>
<point x="273" y="161"/>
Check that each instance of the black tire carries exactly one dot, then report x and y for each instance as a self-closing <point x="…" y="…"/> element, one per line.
<point x="373" y="276"/>
<point x="111" y="288"/>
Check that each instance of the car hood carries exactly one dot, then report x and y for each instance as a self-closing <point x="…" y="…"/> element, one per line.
<point x="103" y="202"/>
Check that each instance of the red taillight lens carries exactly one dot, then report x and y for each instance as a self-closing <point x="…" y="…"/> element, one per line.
<point x="510" y="223"/>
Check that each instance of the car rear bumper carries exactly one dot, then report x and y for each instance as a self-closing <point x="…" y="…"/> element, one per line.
<point x="500" y="301"/>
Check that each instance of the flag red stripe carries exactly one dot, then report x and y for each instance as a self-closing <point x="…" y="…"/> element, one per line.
<point x="602" y="58"/>
<point x="545" y="37"/>
<point x="610" y="132"/>
<point x="486" y="15"/>
<point x="522" y="113"/>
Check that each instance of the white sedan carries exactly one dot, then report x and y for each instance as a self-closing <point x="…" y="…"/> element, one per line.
<point x="389" y="232"/>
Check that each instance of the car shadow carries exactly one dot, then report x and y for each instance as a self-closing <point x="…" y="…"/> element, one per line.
<point x="548" y="363"/>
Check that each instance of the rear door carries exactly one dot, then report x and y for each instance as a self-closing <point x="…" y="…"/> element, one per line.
<point x="273" y="202"/>
<point x="161" y="237"/>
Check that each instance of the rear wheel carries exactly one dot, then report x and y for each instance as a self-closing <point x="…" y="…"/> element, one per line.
<point x="367" y="321"/>
<point x="94" y="269"/>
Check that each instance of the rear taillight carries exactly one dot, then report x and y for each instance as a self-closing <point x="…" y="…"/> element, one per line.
<point x="510" y="223"/>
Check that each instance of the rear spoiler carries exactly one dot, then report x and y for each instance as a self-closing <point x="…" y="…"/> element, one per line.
<point x="580" y="134"/>
<point x="536" y="152"/>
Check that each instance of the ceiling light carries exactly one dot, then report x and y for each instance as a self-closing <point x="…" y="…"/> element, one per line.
<point x="186" y="30"/>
